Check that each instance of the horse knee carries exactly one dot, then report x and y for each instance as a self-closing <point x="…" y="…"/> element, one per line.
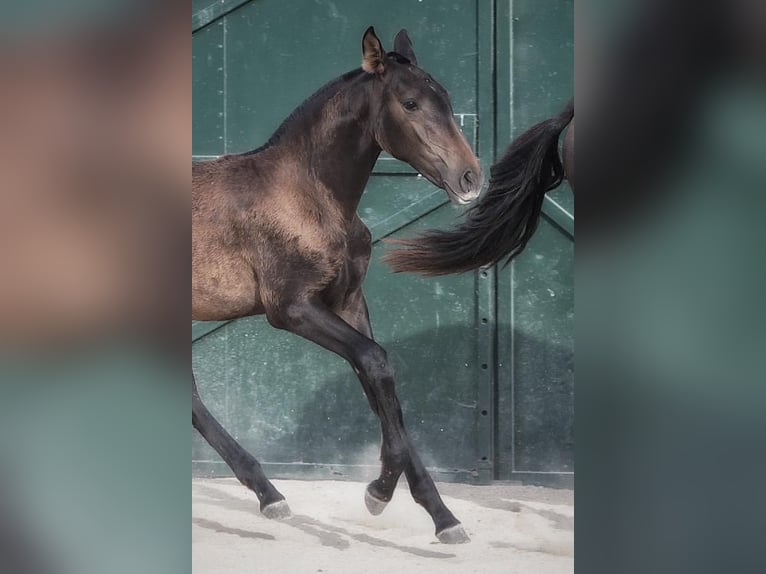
<point x="374" y="363"/>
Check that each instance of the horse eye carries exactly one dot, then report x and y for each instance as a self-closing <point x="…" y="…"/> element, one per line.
<point x="410" y="105"/>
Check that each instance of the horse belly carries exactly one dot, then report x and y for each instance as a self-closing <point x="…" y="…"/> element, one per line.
<point x="224" y="294"/>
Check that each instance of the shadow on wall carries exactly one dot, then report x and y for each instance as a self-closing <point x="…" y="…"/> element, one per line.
<point x="309" y="417"/>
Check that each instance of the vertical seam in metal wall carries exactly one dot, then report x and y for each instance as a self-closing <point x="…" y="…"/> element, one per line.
<point x="511" y="92"/>
<point x="494" y="407"/>
<point x="225" y="42"/>
<point x="225" y="86"/>
<point x="512" y="369"/>
<point x="484" y="278"/>
<point x="493" y="274"/>
<point x="512" y="354"/>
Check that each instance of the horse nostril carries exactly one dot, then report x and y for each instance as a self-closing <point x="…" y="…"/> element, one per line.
<point x="468" y="180"/>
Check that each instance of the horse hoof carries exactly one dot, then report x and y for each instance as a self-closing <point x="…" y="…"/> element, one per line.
<point x="374" y="505"/>
<point x="276" y="510"/>
<point x="453" y="535"/>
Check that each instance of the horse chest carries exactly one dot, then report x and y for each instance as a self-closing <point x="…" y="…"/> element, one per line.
<point x="351" y="258"/>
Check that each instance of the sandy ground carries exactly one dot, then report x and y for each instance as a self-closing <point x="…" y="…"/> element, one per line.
<point x="512" y="528"/>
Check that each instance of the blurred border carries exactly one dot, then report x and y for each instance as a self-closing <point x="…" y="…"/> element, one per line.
<point x="670" y="281"/>
<point x="95" y="108"/>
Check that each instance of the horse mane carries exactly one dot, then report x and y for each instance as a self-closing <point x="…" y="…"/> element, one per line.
<point x="309" y="105"/>
<point x="318" y="97"/>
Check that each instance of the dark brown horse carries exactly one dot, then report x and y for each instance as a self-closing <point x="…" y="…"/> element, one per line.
<point x="275" y="232"/>
<point x="503" y="221"/>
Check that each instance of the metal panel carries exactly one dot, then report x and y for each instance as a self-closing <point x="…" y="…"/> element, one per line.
<point x="207" y="91"/>
<point x="536" y="361"/>
<point x="535" y="297"/>
<point x="278" y="53"/>
<point x="297" y="407"/>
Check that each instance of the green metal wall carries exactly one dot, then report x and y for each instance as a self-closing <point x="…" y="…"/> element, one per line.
<point x="534" y="437"/>
<point x="484" y="361"/>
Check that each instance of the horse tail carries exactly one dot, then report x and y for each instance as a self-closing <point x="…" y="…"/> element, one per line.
<point x="501" y="223"/>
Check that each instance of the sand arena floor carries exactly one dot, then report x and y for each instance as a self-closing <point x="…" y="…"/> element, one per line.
<point x="512" y="528"/>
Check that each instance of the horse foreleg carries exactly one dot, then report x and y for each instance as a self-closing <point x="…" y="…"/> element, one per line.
<point x="245" y="467"/>
<point x="314" y="321"/>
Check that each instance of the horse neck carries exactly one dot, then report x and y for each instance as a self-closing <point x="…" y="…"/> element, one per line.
<point x="335" y="141"/>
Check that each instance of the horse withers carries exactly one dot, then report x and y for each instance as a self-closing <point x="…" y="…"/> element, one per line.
<point x="275" y="232"/>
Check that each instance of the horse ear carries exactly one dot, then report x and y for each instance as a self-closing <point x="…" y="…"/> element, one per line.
<point x="403" y="46"/>
<point x="373" y="54"/>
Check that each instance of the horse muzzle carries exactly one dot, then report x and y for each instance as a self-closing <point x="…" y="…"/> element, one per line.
<point x="466" y="189"/>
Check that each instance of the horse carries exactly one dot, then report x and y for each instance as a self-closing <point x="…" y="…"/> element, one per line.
<point x="501" y="223"/>
<point x="275" y="232"/>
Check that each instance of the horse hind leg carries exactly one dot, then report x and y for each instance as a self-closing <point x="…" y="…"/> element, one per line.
<point x="398" y="455"/>
<point x="244" y="465"/>
<point x="380" y="491"/>
<point x="397" y="452"/>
